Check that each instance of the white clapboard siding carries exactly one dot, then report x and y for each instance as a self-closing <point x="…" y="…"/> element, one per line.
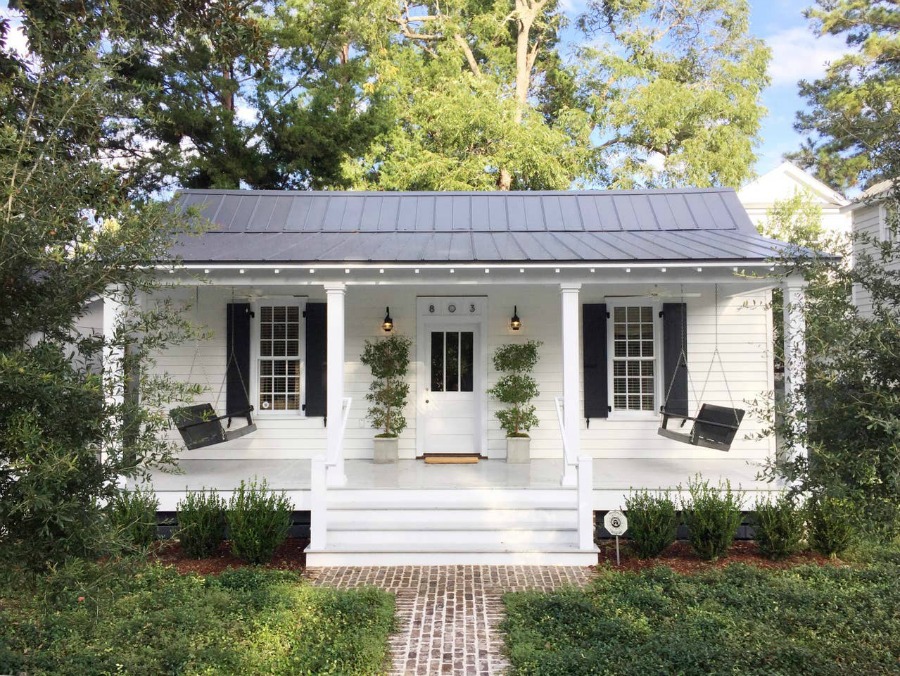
<point x="871" y="223"/>
<point x="744" y="341"/>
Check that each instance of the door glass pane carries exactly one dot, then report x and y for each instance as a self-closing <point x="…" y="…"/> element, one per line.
<point x="437" y="361"/>
<point x="452" y="361"/>
<point x="466" y="351"/>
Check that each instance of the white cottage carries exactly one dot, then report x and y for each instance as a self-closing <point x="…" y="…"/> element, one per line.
<point x="614" y="284"/>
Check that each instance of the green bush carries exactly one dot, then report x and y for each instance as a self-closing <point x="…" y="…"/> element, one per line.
<point x="829" y="524"/>
<point x="201" y="522"/>
<point x="779" y="527"/>
<point x="258" y="521"/>
<point x="652" y="522"/>
<point x="516" y="387"/>
<point x="712" y="517"/>
<point x="132" y="514"/>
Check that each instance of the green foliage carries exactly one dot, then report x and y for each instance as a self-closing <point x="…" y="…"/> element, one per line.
<point x="132" y="514"/>
<point x="744" y="620"/>
<point x="779" y="527"/>
<point x="712" y="516"/>
<point x="151" y="620"/>
<point x="796" y="220"/>
<point x="517" y="387"/>
<point x="853" y="111"/>
<point x="201" y="522"/>
<point x="830" y="524"/>
<point x="69" y="234"/>
<point x="388" y="360"/>
<point x="258" y="521"/>
<point x="652" y="522"/>
<point x="674" y="90"/>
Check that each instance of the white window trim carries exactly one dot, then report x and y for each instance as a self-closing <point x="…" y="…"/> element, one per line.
<point x="255" y="305"/>
<point x="656" y="305"/>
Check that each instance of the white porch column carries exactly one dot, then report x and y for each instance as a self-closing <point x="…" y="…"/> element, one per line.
<point x="795" y="351"/>
<point x="571" y="349"/>
<point x="113" y="356"/>
<point x="334" y="455"/>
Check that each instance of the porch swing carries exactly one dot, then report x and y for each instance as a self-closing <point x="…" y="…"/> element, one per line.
<point x="198" y="424"/>
<point x="714" y="426"/>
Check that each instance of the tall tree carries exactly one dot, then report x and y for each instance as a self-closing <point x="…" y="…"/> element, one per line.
<point x="229" y="93"/>
<point x="674" y="90"/>
<point x="854" y="110"/>
<point x="70" y="233"/>
<point x="462" y="78"/>
<point x="485" y="98"/>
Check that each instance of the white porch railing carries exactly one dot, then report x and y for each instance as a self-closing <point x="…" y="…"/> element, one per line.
<point x="318" y="490"/>
<point x="584" y="466"/>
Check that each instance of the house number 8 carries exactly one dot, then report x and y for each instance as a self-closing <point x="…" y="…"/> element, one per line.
<point x="431" y="309"/>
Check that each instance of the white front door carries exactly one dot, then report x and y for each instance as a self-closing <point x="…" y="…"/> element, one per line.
<point x="450" y="410"/>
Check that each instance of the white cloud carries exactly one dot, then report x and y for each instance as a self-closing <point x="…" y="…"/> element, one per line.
<point x="797" y="55"/>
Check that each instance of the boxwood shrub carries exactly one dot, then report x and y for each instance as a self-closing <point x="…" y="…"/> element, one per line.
<point x="201" y="522"/>
<point x="652" y="522"/>
<point x="779" y="527"/>
<point x="132" y="514"/>
<point x="712" y="517"/>
<point x="258" y="521"/>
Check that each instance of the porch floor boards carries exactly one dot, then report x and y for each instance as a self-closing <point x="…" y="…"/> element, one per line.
<point x="609" y="474"/>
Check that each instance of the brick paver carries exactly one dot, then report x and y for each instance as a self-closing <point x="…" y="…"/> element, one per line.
<point x="448" y="616"/>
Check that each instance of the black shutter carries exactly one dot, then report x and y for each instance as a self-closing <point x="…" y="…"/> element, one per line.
<point x="593" y="345"/>
<point x="237" y="346"/>
<point x="675" y="374"/>
<point x="316" y="358"/>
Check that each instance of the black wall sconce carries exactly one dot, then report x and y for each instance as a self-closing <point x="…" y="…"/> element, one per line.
<point x="388" y="323"/>
<point x="515" y="323"/>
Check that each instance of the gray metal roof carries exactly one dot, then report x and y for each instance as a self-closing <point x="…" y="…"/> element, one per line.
<point x="381" y="227"/>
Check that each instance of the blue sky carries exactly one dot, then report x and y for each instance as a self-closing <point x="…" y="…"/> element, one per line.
<point x="796" y="54"/>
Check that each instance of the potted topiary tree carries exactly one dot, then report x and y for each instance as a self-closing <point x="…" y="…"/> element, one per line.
<point x="388" y="360"/>
<point x="516" y="388"/>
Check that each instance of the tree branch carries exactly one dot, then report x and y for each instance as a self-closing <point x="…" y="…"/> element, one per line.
<point x="470" y="57"/>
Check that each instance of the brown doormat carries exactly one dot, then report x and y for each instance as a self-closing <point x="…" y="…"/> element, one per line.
<point x="450" y="459"/>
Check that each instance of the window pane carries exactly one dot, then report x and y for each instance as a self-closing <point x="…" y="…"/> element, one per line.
<point x="279" y="314"/>
<point x="648" y="348"/>
<point x="293" y="348"/>
<point x="265" y="402"/>
<point x="646" y="314"/>
<point x="619" y="314"/>
<point x="437" y="361"/>
<point x="619" y="401"/>
<point x="634" y="349"/>
<point x="466" y="370"/>
<point x="452" y="361"/>
<point x="648" y="403"/>
<point x="293" y="314"/>
<point x="265" y="348"/>
<point x="265" y="368"/>
<point x="265" y="314"/>
<point x="646" y="331"/>
<point x="634" y="314"/>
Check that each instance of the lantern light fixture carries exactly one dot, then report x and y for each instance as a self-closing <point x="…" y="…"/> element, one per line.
<point x="515" y="323"/>
<point x="388" y="324"/>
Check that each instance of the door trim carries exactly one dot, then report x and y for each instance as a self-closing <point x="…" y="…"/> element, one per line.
<point x="442" y="319"/>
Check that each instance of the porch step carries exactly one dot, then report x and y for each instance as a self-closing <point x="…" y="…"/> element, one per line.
<point x="464" y="518"/>
<point x="445" y="555"/>
<point x="442" y="534"/>
<point x="453" y="498"/>
<point x="451" y="526"/>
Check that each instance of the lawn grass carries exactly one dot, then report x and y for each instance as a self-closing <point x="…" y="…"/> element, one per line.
<point x="155" y="621"/>
<point x="737" y="620"/>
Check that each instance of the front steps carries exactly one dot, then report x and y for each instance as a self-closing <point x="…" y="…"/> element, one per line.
<point x="394" y="527"/>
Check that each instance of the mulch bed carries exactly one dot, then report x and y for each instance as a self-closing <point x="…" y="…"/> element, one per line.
<point x="289" y="556"/>
<point x="681" y="558"/>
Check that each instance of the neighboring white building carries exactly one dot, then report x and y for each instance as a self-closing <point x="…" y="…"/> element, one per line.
<point x="785" y="181"/>
<point x="869" y="215"/>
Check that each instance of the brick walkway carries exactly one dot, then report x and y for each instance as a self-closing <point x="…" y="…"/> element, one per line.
<point x="448" y="616"/>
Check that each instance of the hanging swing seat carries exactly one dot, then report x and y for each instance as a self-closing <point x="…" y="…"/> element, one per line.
<point x="199" y="425"/>
<point x="714" y="426"/>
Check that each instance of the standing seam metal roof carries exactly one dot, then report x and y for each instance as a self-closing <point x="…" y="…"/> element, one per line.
<point x="642" y="225"/>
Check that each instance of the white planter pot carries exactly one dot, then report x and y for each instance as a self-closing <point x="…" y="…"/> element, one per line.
<point x="518" y="450"/>
<point x="386" y="450"/>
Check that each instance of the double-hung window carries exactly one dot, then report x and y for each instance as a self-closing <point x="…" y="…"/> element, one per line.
<point x="635" y="365"/>
<point x="279" y="354"/>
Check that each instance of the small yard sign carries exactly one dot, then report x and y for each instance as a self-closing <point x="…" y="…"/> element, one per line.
<point x="616" y="524"/>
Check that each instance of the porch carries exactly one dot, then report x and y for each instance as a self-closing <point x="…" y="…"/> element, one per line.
<point x="612" y="477"/>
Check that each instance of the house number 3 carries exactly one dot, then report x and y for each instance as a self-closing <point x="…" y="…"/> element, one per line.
<point x="471" y="307"/>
